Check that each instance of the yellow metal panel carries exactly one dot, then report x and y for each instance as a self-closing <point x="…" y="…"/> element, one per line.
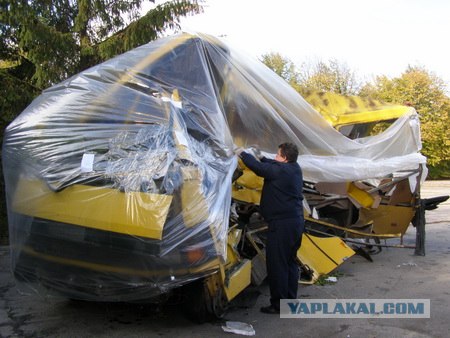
<point x="362" y="197"/>
<point x="239" y="279"/>
<point x="389" y="219"/>
<point x="234" y="236"/>
<point x="248" y="186"/>
<point x="132" y="213"/>
<point x="250" y="180"/>
<point x="342" y="110"/>
<point x="194" y="207"/>
<point x="246" y="195"/>
<point x="372" y="116"/>
<point x="323" y="254"/>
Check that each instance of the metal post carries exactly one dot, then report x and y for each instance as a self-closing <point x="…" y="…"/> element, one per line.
<point x="419" y="223"/>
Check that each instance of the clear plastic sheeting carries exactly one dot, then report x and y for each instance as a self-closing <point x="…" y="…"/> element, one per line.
<point x="119" y="179"/>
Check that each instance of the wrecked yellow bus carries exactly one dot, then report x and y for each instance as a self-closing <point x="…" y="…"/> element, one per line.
<point x="121" y="182"/>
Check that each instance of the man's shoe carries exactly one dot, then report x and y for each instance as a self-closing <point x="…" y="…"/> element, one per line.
<point x="270" y="309"/>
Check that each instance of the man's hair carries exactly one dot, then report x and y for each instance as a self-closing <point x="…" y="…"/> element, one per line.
<point x="289" y="151"/>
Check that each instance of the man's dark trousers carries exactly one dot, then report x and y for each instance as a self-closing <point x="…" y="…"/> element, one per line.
<point x="283" y="241"/>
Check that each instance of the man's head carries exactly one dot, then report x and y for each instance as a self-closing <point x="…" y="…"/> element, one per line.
<point x="287" y="152"/>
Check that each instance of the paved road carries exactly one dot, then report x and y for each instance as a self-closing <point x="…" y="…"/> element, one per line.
<point x="394" y="273"/>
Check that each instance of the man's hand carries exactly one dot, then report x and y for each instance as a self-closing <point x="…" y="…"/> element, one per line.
<point x="238" y="150"/>
<point x="254" y="150"/>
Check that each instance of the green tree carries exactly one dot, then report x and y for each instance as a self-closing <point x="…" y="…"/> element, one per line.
<point x="427" y="94"/>
<point x="331" y="76"/>
<point x="63" y="37"/>
<point x="283" y="66"/>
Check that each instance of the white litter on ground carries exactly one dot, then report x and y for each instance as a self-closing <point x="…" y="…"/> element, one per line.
<point x="239" y="328"/>
<point x="407" y="264"/>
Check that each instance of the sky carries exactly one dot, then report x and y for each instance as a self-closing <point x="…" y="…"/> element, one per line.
<point x="371" y="37"/>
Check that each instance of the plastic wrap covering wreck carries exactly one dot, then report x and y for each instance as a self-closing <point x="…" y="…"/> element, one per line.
<point x="119" y="179"/>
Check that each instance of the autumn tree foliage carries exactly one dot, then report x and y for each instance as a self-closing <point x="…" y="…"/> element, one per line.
<point x="416" y="87"/>
<point x="426" y="92"/>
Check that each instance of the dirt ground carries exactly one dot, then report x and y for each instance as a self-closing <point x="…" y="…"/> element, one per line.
<point x="393" y="274"/>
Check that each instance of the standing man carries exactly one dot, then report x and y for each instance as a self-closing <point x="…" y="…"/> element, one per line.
<point x="281" y="207"/>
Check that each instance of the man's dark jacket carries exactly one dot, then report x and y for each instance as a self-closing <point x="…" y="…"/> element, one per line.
<point x="281" y="196"/>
